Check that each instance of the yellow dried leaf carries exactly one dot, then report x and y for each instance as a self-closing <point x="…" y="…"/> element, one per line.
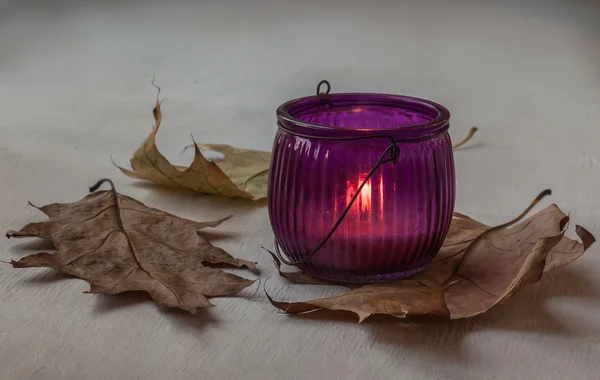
<point x="241" y="174"/>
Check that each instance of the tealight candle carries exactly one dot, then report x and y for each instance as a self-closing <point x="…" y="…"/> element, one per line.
<point x="361" y="186"/>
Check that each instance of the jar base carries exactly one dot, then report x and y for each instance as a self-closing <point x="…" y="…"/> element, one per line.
<point x="347" y="277"/>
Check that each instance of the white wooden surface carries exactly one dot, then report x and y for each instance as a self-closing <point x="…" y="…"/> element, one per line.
<point x="75" y="89"/>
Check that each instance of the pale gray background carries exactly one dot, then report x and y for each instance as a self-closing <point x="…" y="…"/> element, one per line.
<point x="75" y="89"/>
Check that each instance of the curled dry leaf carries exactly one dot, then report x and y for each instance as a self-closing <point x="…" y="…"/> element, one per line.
<point x="477" y="268"/>
<point x="118" y="244"/>
<point x="241" y="174"/>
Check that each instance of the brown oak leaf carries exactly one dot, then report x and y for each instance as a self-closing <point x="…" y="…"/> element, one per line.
<point x="242" y="173"/>
<point x="477" y="267"/>
<point x="118" y="244"/>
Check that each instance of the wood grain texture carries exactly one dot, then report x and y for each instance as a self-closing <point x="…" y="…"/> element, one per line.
<point x="75" y="89"/>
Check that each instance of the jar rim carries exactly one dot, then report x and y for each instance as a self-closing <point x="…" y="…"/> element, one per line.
<point x="434" y="127"/>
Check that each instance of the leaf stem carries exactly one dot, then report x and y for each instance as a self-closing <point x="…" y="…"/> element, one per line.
<point x="115" y="199"/>
<point x="466" y="139"/>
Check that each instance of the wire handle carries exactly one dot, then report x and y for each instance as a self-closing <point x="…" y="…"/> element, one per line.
<point x="390" y="154"/>
<point x="326" y="83"/>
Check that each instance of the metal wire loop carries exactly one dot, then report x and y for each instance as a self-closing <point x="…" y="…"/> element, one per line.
<point x="326" y="83"/>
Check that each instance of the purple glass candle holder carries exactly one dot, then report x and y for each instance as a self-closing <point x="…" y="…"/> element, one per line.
<point x="361" y="186"/>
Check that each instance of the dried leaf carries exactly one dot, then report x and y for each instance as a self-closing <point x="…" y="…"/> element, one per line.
<point x="118" y="244"/>
<point x="477" y="268"/>
<point x="241" y="174"/>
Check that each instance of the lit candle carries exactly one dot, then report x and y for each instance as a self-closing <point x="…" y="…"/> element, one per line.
<point x="362" y="206"/>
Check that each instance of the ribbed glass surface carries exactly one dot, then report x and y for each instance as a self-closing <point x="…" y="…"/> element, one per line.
<point x="402" y="215"/>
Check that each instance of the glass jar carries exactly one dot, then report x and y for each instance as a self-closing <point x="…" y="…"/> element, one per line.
<point x="325" y="148"/>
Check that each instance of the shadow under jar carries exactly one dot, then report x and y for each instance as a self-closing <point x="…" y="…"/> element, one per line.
<point x="325" y="148"/>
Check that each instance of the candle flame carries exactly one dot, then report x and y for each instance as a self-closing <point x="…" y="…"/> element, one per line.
<point x="363" y="204"/>
<point x="364" y="198"/>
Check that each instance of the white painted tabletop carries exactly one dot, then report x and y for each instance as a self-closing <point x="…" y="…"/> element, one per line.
<point x="75" y="89"/>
